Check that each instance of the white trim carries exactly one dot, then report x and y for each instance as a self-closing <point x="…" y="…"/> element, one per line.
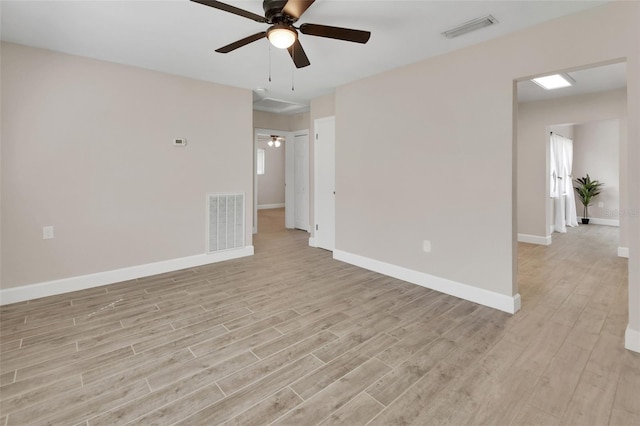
<point x="598" y="221"/>
<point x="509" y="304"/>
<point x="65" y="285"/>
<point x="623" y="252"/>
<point x="534" y="239"/>
<point x="632" y="339"/>
<point x="270" y="206"/>
<point x="312" y="242"/>
<point x="289" y="185"/>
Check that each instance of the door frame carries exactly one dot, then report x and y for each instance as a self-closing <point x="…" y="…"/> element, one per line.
<point x="290" y="201"/>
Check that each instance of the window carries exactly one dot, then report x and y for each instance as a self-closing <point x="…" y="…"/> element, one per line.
<point x="260" y="161"/>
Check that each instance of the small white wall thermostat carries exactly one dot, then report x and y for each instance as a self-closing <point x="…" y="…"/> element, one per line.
<point x="179" y="142"/>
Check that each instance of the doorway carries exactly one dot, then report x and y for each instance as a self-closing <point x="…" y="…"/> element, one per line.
<point x="590" y="112"/>
<point x="581" y="278"/>
<point x="281" y="177"/>
<point x="269" y="171"/>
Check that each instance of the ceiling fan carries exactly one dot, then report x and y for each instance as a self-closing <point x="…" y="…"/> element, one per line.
<point x="281" y="15"/>
<point x="275" y="140"/>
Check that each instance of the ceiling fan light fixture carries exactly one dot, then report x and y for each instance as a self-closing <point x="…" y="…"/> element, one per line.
<point x="281" y="36"/>
<point x="281" y="15"/>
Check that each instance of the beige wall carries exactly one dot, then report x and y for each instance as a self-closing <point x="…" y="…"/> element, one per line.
<point x="565" y="130"/>
<point x="426" y="151"/>
<point x="534" y="121"/>
<point x="87" y="148"/>
<point x="271" y="184"/>
<point x="299" y="121"/>
<point x="595" y="151"/>
<point x="284" y="122"/>
<point x="271" y="121"/>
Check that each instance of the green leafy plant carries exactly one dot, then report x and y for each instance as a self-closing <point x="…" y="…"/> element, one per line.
<point x="587" y="189"/>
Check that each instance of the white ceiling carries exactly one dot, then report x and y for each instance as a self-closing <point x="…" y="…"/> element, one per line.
<point x="179" y="37"/>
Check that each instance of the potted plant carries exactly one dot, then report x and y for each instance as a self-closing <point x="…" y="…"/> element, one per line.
<point x="587" y="189"/>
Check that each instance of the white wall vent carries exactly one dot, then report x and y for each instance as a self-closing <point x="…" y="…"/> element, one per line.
<point x="225" y="222"/>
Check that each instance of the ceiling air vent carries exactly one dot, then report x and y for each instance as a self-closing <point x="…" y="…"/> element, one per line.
<point x="278" y="106"/>
<point x="467" y="27"/>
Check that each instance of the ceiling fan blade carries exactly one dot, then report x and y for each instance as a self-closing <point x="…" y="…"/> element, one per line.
<point x="295" y="8"/>
<point x="231" y="9"/>
<point x="297" y="54"/>
<point x="338" y="33"/>
<point x="243" y="42"/>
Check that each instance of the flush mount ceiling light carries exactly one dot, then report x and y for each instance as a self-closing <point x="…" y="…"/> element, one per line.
<point x="282" y="36"/>
<point x="467" y="27"/>
<point x="555" y="81"/>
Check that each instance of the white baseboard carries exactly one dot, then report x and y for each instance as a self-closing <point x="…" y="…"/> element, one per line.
<point x="623" y="252"/>
<point x="270" y="206"/>
<point x="632" y="339"/>
<point x="534" y="239"/>
<point x="509" y="304"/>
<point x="599" y="221"/>
<point x="65" y="285"/>
<point x="312" y="242"/>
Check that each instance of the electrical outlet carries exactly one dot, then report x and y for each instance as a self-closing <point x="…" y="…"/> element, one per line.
<point x="600" y="204"/>
<point x="47" y="232"/>
<point x="426" y="246"/>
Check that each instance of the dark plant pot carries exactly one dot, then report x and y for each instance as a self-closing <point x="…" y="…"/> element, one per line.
<point x="585" y="221"/>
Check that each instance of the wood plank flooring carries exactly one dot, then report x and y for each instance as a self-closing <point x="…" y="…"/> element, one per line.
<point x="292" y="337"/>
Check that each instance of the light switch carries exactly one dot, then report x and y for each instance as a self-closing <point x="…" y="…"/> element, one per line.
<point x="47" y="232"/>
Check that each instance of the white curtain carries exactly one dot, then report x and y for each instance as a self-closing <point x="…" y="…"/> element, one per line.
<point x="561" y="182"/>
<point x="570" y="216"/>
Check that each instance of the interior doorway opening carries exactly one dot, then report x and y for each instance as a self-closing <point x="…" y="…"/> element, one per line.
<point x="281" y="179"/>
<point x="581" y="279"/>
<point x="592" y="114"/>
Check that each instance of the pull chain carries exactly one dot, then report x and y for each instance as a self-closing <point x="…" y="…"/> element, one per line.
<point x="293" y="56"/>
<point x="269" y="62"/>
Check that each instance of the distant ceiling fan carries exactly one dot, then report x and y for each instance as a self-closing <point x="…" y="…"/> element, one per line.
<point x="275" y="140"/>
<point x="281" y="15"/>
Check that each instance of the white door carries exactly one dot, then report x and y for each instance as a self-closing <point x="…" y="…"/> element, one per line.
<point x="301" y="180"/>
<point x="325" y="182"/>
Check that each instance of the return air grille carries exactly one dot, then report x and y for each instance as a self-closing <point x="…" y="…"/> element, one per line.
<point x="225" y="222"/>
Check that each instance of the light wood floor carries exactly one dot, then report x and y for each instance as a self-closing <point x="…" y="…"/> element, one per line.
<point x="290" y="336"/>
